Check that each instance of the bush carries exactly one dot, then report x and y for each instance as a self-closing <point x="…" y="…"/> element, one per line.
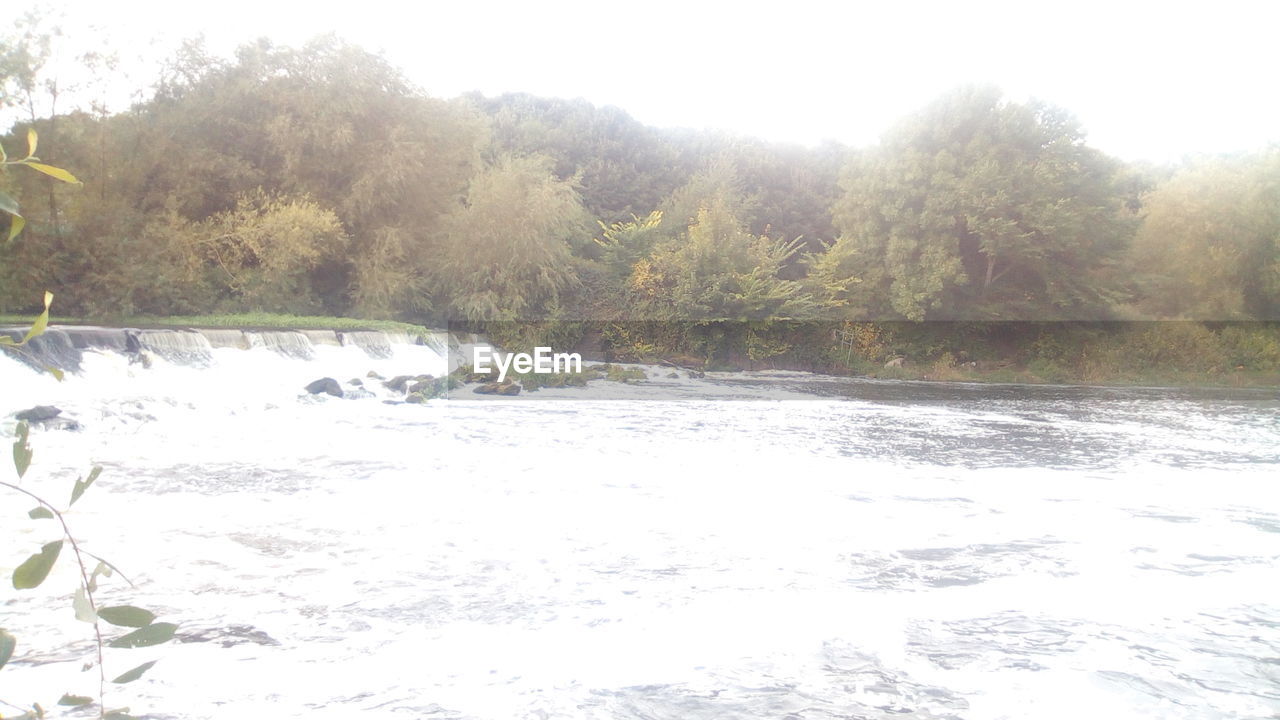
<point x="1253" y="346"/>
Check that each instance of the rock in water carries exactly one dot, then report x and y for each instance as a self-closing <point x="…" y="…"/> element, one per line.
<point x="325" y="385"/>
<point x="39" y="413"/>
<point x="493" y="388"/>
<point x="399" y="383"/>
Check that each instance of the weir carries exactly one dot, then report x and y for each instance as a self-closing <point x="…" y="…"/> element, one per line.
<point x="322" y="337"/>
<point x="52" y="349"/>
<point x="289" y="343"/>
<point x="224" y="338"/>
<point x="100" y="338"/>
<point x="63" y="347"/>
<point x="181" y="347"/>
<point x="374" y="344"/>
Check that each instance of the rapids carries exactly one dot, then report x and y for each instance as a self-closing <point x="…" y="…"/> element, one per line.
<point x="748" y="545"/>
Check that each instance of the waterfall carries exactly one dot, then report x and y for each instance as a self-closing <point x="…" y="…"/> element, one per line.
<point x="342" y="354"/>
<point x="322" y="337"/>
<point x="289" y="343"/>
<point x="437" y="340"/>
<point x="182" y="347"/>
<point x="374" y="344"/>
<point x="100" y="338"/>
<point x="225" y="338"/>
<point x="53" y="349"/>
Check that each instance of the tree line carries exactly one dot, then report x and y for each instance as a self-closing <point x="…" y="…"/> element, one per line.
<point x="319" y="180"/>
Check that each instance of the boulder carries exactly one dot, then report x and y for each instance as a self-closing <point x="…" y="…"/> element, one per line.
<point x="896" y="362"/>
<point x="425" y="387"/>
<point x="374" y="376"/>
<point x="493" y="388"/>
<point x="62" y="423"/>
<point x="39" y="413"/>
<point x="416" y="399"/>
<point x="356" y="381"/>
<point x="399" y="383"/>
<point x="325" y="385"/>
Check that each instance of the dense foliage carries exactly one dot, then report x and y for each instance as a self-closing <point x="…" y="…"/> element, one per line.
<point x="318" y="180"/>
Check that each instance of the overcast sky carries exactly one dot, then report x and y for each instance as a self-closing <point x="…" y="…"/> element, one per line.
<point x="1149" y="80"/>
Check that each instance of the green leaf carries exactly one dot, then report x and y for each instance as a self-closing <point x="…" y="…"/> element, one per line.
<point x="16" y="223"/>
<point x="32" y="141"/>
<point x="82" y="606"/>
<point x="127" y="616"/>
<point x="7" y="644"/>
<point x="82" y="485"/>
<point x="75" y="700"/>
<point x="41" y="322"/>
<point x="54" y="172"/>
<point x="135" y="673"/>
<point x="40" y="513"/>
<point x="104" y="569"/>
<point x="55" y="372"/>
<point x="21" y="450"/>
<point x="153" y="634"/>
<point x="36" y="568"/>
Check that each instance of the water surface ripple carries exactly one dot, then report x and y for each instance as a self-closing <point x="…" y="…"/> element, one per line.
<point x="745" y="546"/>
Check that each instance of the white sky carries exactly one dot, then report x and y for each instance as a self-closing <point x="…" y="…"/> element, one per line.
<point x="1149" y="80"/>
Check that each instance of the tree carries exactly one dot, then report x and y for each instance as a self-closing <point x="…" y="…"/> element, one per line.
<point x="978" y="208"/>
<point x="505" y="253"/>
<point x="265" y="251"/>
<point x="328" y="121"/>
<point x="623" y="244"/>
<point x="621" y="167"/>
<point x="1209" y="244"/>
<point x="719" y="271"/>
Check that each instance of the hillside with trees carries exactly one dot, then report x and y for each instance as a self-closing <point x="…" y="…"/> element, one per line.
<point x="318" y="181"/>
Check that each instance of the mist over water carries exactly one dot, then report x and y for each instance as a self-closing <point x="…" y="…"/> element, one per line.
<point x="750" y="545"/>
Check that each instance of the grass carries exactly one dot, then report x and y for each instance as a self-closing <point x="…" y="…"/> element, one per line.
<point x="244" y="321"/>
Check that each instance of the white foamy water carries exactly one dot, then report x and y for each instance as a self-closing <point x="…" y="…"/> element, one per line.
<point x="746" y="546"/>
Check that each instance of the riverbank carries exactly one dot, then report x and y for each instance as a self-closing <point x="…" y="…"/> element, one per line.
<point x="1167" y="354"/>
<point x="1126" y="354"/>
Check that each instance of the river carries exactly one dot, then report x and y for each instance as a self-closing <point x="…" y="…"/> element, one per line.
<point x="748" y="545"/>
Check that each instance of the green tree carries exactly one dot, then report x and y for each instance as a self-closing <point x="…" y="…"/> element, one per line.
<point x="266" y="249"/>
<point x="984" y="209"/>
<point x="621" y="167"/>
<point x="1209" y="244"/>
<point x="623" y="244"/>
<point x="329" y="121"/>
<point x="505" y="254"/>
<point x="718" y="271"/>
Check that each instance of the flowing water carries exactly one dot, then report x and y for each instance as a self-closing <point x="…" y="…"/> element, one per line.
<point x="742" y="546"/>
